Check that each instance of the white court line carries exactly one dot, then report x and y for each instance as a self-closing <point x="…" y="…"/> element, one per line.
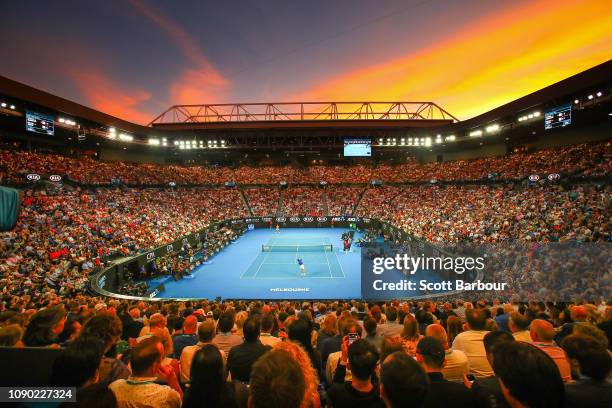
<point x="341" y="268"/>
<point x="262" y="261"/>
<point x="291" y="263"/>
<point x="328" y="266"/>
<point x="300" y="278"/>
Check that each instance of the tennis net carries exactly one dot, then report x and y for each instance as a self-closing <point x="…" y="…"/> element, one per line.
<point x="297" y="248"/>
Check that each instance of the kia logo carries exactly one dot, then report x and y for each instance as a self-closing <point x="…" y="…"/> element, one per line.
<point x="351" y="219"/>
<point x="172" y="184"/>
<point x="294" y="219"/>
<point x="150" y="256"/>
<point x="322" y="219"/>
<point x="33" y="177"/>
<point x="308" y="219"/>
<point x="55" y="178"/>
<point x="554" y="176"/>
<point x="534" y="177"/>
<point x="281" y="219"/>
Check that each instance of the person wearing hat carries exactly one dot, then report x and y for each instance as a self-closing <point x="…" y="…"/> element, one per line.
<point x="443" y="393"/>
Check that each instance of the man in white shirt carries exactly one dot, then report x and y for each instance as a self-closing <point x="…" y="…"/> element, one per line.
<point x="267" y="325"/>
<point x="471" y="343"/>
<point x="206" y="332"/>
<point x="456" y="362"/>
<point x="140" y="390"/>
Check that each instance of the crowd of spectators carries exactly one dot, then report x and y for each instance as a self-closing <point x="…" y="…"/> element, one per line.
<point x="303" y="201"/>
<point x="593" y="159"/>
<point x="336" y="354"/>
<point x="264" y="201"/>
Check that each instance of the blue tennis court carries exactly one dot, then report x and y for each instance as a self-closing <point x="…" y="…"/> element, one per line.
<point x="280" y="259"/>
<point x="262" y="264"/>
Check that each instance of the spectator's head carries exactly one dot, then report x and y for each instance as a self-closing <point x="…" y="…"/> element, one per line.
<point x="542" y="331"/>
<point x="78" y="365"/>
<point x="97" y="395"/>
<point x="190" y="325"/>
<point x="330" y="324"/>
<point x="206" y="331"/>
<point x="301" y="331"/>
<point x="518" y="322"/>
<point x="164" y="336"/>
<point x="298" y="353"/>
<point x="369" y="324"/>
<point x="226" y="322"/>
<point x="362" y="359"/>
<point x="45" y="326"/>
<point x="476" y="319"/>
<point x="104" y="326"/>
<point x="391" y="314"/>
<point x="251" y="329"/>
<point x="207" y="377"/>
<point x="453" y="327"/>
<point x="10" y="336"/>
<point x="135" y="313"/>
<point x="240" y="318"/>
<point x="528" y="376"/>
<point x="588" y="355"/>
<point x="267" y="323"/>
<point x="437" y="332"/>
<point x="430" y="353"/>
<point x="276" y="382"/>
<point x="157" y="320"/>
<point x="578" y="313"/>
<point x="411" y="328"/>
<point x="495" y="339"/>
<point x="592" y="331"/>
<point x="390" y="345"/>
<point x="146" y="357"/>
<point x="404" y="383"/>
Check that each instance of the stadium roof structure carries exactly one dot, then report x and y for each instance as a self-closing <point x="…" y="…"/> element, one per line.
<point x="302" y="114"/>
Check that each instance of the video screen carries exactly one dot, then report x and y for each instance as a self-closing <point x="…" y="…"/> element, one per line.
<point x="560" y="116"/>
<point x="39" y="123"/>
<point x="361" y="147"/>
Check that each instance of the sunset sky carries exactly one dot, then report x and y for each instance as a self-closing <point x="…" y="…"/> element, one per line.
<point x="135" y="58"/>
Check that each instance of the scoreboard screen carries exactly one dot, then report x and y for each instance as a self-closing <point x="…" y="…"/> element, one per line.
<point x="39" y="123"/>
<point x="358" y="147"/>
<point x="560" y="116"/>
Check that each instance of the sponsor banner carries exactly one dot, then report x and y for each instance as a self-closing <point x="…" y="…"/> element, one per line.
<point x="513" y="270"/>
<point x="33" y="177"/>
<point x="56" y="178"/>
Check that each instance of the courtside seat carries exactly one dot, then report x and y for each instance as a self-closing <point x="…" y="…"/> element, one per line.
<point x="27" y="367"/>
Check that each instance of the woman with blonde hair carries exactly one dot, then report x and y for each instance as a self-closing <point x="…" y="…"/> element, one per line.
<point x="410" y="334"/>
<point x="329" y="328"/>
<point x="299" y="355"/>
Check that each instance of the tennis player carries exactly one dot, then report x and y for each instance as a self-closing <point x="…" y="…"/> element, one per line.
<point x="277" y="228"/>
<point x="300" y="262"/>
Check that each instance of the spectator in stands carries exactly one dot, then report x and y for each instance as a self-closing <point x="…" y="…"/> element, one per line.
<point x="454" y="326"/>
<point x="297" y="352"/>
<point x="361" y="358"/>
<point x="404" y="383"/>
<point x="225" y="339"/>
<point x="78" y="365"/>
<point x="300" y="331"/>
<point x="10" y="336"/>
<point x="410" y="334"/>
<point x="107" y="328"/>
<point x="277" y="382"/>
<point x="542" y="334"/>
<point x="391" y="327"/>
<point x="267" y="326"/>
<point x="471" y="343"/>
<point x="348" y="327"/>
<point x="208" y="385"/>
<point x="519" y="326"/>
<point x="141" y="388"/>
<point x="132" y="324"/>
<point x="187" y="338"/>
<point x="370" y="326"/>
<point x="206" y="333"/>
<point x="486" y="392"/>
<point x="527" y="376"/>
<point x="242" y="357"/>
<point x="328" y="330"/>
<point x="455" y="361"/>
<point x="44" y="327"/>
<point x="593" y="362"/>
<point x="443" y="393"/>
<point x="96" y="395"/>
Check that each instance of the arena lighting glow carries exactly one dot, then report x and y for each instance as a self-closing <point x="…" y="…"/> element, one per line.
<point x="598" y="94"/>
<point x="12" y="107"/>
<point x="67" y="122"/>
<point x="125" y="137"/>
<point x="164" y="142"/>
<point x="154" y="142"/>
<point x="495" y="127"/>
<point x="3" y="104"/>
<point x="428" y="141"/>
<point x="475" y="133"/>
<point x="591" y="97"/>
<point x="576" y="101"/>
<point x="450" y="138"/>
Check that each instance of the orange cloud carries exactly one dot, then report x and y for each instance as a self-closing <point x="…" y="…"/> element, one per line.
<point x="109" y="97"/>
<point x="489" y="62"/>
<point x="201" y="82"/>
